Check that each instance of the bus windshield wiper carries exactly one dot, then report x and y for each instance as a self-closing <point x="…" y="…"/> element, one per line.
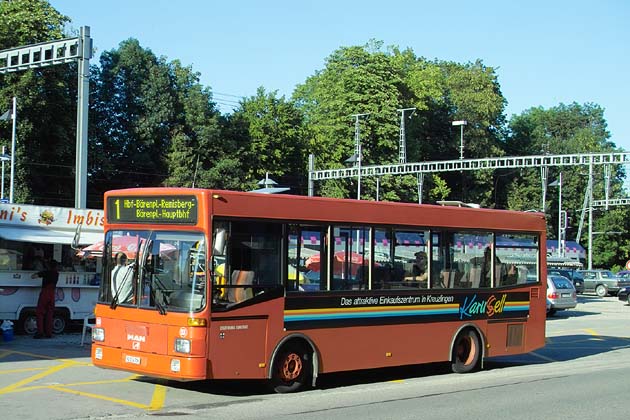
<point x="119" y="288"/>
<point x="160" y="307"/>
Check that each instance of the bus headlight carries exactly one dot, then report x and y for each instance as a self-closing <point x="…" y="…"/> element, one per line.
<point x="182" y="345"/>
<point x="98" y="334"/>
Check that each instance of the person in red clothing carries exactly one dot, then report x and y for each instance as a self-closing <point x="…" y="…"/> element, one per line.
<point x="46" y="303"/>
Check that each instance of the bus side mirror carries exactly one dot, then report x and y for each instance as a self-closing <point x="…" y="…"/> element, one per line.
<point x="220" y="236"/>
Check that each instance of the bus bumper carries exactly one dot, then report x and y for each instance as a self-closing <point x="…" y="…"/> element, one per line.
<point x="175" y="367"/>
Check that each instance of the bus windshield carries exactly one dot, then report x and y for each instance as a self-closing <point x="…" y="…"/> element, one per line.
<point x="159" y="270"/>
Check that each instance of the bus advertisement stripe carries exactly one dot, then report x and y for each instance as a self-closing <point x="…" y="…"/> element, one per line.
<point x="314" y="317"/>
<point x="369" y="309"/>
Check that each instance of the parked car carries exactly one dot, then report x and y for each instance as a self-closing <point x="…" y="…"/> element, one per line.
<point x="603" y="282"/>
<point x="624" y="294"/>
<point x="573" y="275"/>
<point x="561" y="294"/>
<point x="624" y="274"/>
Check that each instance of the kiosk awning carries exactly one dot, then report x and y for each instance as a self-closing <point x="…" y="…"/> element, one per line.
<point x="47" y="236"/>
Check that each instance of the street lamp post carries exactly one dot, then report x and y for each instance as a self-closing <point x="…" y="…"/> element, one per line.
<point x="558" y="184"/>
<point x="10" y="114"/>
<point x="461" y="124"/>
<point x="4" y="158"/>
<point x="355" y="160"/>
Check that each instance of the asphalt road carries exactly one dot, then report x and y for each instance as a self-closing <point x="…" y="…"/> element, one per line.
<point x="580" y="374"/>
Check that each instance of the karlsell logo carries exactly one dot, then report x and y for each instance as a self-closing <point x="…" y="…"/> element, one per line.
<point x="490" y="306"/>
<point x="134" y="337"/>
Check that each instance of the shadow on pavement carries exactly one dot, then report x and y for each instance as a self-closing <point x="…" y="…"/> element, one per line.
<point x="558" y="349"/>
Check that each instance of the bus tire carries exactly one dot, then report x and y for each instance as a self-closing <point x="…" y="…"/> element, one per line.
<point x="27" y="323"/>
<point x="466" y="353"/>
<point x="601" y="290"/>
<point x="292" y="369"/>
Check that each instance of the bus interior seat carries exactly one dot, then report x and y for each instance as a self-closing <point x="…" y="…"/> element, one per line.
<point x="474" y="276"/>
<point x="450" y="278"/>
<point x="243" y="281"/>
<point x="522" y="274"/>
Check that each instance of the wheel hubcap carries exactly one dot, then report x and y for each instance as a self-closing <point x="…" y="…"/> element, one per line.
<point x="292" y="367"/>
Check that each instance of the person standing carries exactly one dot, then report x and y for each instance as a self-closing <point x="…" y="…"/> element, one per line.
<point x="122" y="280"/>
<point x="46" y="302"/>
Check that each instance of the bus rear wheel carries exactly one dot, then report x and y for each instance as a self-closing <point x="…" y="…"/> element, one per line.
<point x="292" y="369"/>
<point x="466" y="352"/>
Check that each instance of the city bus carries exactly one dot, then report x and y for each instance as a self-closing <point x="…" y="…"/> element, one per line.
<point x="285" y="288"/>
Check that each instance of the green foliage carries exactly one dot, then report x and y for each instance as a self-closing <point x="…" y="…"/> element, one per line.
<point x="368" y="79"/>
<point x="440" y="190"/>
<point x="134" y="104"/>
<point x="152" y="123"/>
<point x="46" y="111"/>
<point x="276" y="143"/>
<point x="611" y="239"/>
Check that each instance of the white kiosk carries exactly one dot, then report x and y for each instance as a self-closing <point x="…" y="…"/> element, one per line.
<point x="31" y="233"/>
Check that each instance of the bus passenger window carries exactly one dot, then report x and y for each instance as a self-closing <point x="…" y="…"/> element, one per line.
<point x="518" y="254"/>
<point x="350" y="258"/>
<point x="411" y="263"/>
<point x="305" y="250"/>
<point x="251" y="264"/>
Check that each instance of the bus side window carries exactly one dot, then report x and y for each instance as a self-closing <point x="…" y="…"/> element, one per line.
<point x="242" y="281"/>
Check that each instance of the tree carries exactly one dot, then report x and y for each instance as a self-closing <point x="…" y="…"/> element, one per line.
<point x="45" y="150"/>
<point x="568" y="129"/>
<point x="197" y="145"/>
<point x="133" y="117"/>
<point x="371" y="80"/>
<point x="276" y="142"/>
<point x="356" y="80"/>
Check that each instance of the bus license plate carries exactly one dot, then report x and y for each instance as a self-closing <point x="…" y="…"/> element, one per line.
<point x="132" y="359"/>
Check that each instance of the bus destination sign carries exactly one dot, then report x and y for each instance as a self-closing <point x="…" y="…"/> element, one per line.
<point x="177" y="209"/>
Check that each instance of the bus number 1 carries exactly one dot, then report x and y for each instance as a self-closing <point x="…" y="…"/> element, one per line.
<point x="117" y="203"/>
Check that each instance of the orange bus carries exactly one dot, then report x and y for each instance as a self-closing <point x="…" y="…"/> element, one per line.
<point x="208" y="284"/>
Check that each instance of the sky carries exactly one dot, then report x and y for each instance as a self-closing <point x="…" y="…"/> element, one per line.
<point x="545" y="52"/>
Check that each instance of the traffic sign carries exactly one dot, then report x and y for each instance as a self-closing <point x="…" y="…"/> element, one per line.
<point x="628" y="265"/>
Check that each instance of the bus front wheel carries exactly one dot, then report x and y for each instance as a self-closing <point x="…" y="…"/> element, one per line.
<point x="292" y="369"/>
<point x="466" y="352"/>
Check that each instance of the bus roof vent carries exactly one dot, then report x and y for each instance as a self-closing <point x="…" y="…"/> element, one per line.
<point x="455" y="203"/>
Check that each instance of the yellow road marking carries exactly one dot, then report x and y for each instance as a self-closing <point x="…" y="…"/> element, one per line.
<point x="549" y="359"/>
<point x="43" y="356"/>
<point x="157" y="400"/>
<point x="33" y="378"/>
<point x="100" y="397"/>
<point x="106" y="382"/>
<point x="2" y="372"/>
<point x="594" y="334"/>
<point x="159" y="396"/>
